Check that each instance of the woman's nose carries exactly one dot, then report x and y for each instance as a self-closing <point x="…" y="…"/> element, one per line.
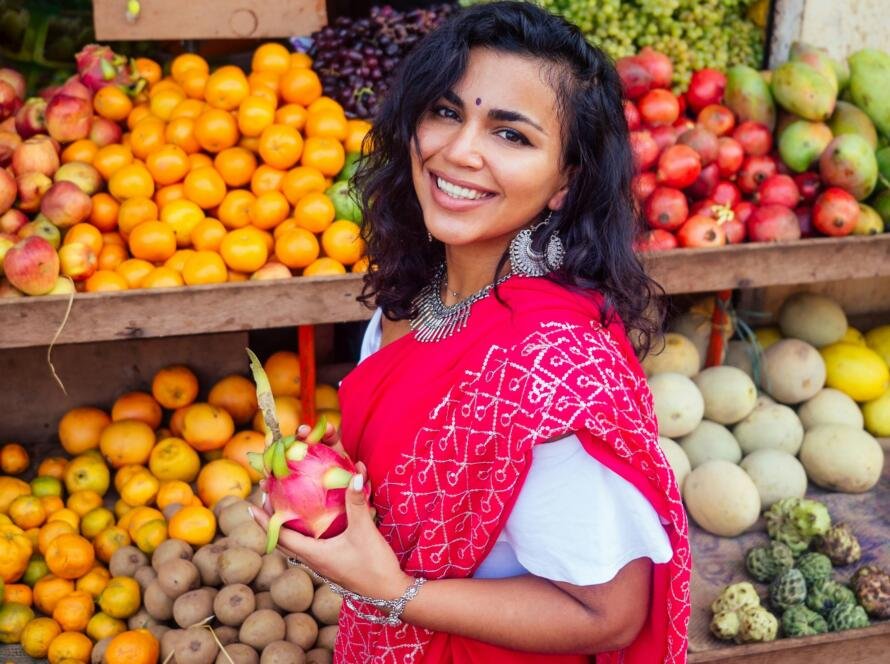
<point x="463" y="148"/>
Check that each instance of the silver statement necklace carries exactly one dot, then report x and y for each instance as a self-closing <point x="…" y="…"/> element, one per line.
<point x="436" y="321"/>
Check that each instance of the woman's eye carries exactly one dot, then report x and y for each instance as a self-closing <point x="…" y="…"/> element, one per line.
<point x="513" y="136"/>
<point x="445" y="112"/>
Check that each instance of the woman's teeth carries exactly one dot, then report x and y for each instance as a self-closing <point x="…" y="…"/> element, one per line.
<point x="455" y="191"/>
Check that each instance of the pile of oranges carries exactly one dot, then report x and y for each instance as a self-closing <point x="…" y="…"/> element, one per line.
<point x="153" y="466"/>
<point x="220" y="176"/>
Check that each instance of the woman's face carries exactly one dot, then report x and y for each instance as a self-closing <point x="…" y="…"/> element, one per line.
<point x="490" y="152"/>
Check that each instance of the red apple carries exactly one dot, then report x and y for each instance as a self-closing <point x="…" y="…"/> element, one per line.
<point x="773" y="223"/>
<point x="65" y="204"/>
<point x="38" y="154"/>
<point x="7" y="290"/>
<point x="655" y="240"/>
<point x="79" y="262"/>
<point x="68" y="118"/>
<point x="32" y="187"/>
<point x="6" y="243"/>
<point x="74" y="88"/>
<point x="84" y="175"/>
<point x="63" y="286"/>
<point x="32" y="266"/>
<point x="31" y="118"/>
<point x="12" y="221"/>
<point x="272" y="270"/>
<point x="104" y="132"/>
<point x="15" y="79"/>
<point x="9" y="141"/>
<point x="43" y="228"/>
<point x="8" y="190"/>
<point x="9" y="102"/>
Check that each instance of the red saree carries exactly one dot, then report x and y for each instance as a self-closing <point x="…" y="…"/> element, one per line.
<point x="446" y="430"/>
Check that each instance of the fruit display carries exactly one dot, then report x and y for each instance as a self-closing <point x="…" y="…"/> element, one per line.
<point x="123" y="178"/>
<point x="138" y="538"/>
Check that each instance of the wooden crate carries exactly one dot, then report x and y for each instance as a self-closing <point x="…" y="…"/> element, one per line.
<point x="208" y="19"/>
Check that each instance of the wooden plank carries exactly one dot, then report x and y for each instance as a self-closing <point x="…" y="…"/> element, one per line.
<point x="208" y="19"/>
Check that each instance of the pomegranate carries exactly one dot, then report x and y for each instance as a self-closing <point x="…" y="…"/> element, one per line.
<point x="754" y="171"/>
<point x="743" y="210"/>
<point x="632" y="115"/>
<point x="755" y="138"/>
<point x="835" y="212"/>
<point x="773" y="223"/>
<point x="659" y="107"/>
<point x="684" y="104"/>
<point x="809" y="185"/>
<point x="32" y="266"/>
<point x="726" y="193"/>
<point x="778" y="190"/>
<point x="717" y="119"/>
<point x="699" y="231"/>
<point x="706" y="207"/>
<point x="730" y="156"/>
<point x="659" y="66"/>
<point x="705" y="183"/>
<point x="705" y="88"/>
<point x="665" y="136"/>
<point x="805" y="221"/>
<point x="678" y="166"/>
<point x="702" y="141"/>
<point x="644" y="148"/>
<point x="655" y="240"/>
<point x="643" y="185"/>
<point x="666" y="209"/>
<point x="635" y="79"/>
<point x="734" y="229"/>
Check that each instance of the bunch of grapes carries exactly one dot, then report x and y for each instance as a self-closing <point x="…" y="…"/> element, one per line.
<point x="693" y="33"/>
<point x="355" y="57"/>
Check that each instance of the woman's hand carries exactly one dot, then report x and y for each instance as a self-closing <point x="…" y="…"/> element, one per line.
<point x="331" y="436"/>
<point x="359" y="558"/>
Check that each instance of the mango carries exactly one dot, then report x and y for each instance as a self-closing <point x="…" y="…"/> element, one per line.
<point x="748" y="96"/>
<point x="783" y="120"/>
<point x="870" y="86"/>
<point x="799" y="88"/>
<point x="802" y="142"/>
<point x="848" y="119"/>
<point x="870" y="222"/>
<point x="816" y="58"/>
<point x="849" y="163"/>
<point x="881" y="204"/>
<point x="883" y="157"/>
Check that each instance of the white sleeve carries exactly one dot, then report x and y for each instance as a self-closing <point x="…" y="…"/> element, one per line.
<point x="579" y="522"/>
<point x="373" y="333"/>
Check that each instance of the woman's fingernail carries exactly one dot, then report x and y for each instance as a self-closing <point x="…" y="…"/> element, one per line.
<point x="250" y="512"/>
<point x="358" y="482"/>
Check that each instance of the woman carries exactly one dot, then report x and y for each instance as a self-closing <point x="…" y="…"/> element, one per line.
<point x="525" y="513"/>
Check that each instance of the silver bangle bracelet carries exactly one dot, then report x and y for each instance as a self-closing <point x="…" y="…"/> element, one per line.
<point x="393" y="608"/>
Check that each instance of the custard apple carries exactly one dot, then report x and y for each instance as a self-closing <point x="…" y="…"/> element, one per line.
<point x="864" y="571"/>
<point x="766" y="562"/>
<point x="816" y="569"/>
<point x="798" y="620"/>
<point x="847" y="616"/>
<point x="788" y="589"/>
<point x="736" y="596"/>
<point x="725" y="625"/>
<point x="873" y="593"/>
<point x="795" y="521"/>
<point x="839" y="544"/>
<point x="756" y="624"/>
<point x="829" y="595"/>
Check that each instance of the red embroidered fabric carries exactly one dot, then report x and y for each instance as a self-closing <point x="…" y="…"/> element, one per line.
<point x="446" y="431"/>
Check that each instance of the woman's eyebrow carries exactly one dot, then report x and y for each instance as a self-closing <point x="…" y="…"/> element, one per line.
<point x="499" y="114"/>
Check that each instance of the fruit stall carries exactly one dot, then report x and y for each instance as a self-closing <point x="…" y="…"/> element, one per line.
<point x="157" y="216"/>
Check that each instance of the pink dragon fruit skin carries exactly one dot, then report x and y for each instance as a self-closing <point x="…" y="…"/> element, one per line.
<point x="99" y="66"/>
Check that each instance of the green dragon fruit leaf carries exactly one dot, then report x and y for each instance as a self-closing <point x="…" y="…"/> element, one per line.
<point x="264" y="396"/>
<point x="255" y="459"/>
<point x="296" y="452"/>
<point x="318" y="430"/>
<point x="279" y="462"/>
<point x="273" y="529"/>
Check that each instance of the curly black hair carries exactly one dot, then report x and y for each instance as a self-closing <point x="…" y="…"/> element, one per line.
<point x="598" y="221"/>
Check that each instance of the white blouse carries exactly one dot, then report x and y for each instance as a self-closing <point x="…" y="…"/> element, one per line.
<point x="574" y="519"/>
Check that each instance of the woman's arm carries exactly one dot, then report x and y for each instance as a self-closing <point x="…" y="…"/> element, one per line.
<point x="535" y="615"/>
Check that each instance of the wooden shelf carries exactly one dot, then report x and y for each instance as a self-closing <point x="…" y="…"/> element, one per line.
<point x="314" y="300"/>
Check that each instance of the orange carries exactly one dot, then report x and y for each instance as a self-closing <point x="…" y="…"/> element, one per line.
<point x="244" y="249"/>
<point x="112" y="158"/>
<point x="302" y="180"/>
<point x="147" y="136"/>
<point x="220" y="478"/>
<point x="255" y="114"/>
<point x="83" y="501"/>
<point x="174" y="386"/>
<point x="283" y="370"/>
<point x="82" y="150"/>
<point x="125" y="473"/>
<point x="138" y="517"/>
<point x="109" y="541"/>
<point x="137" y="406"/>
<point x="174" y="491"/>
<point x="170" y="193"/>
<point x="207" y="427"/>
<point x="204" y="267"/>
<point x="105" y="281"/>
<point x="18" y="593"/>
<point x="177" y="260"/>
<point x="342" y="241"/>
<point x="329" y="124"/>
<point x="226" y="88"/>
<point x="300" y="86"/>
<point x="135" y="211"/>
<point x="237" y="276"/>
<point x="114" y="238"/>
<point x="10" y="489"/>
<point x="195" y="524"/>
<point x="149" y="536"/>
<point x="194" y="84"/>
<point x="70" y="556"/>
<point x="250" y="143"/>
<point x="265" y="178"/>
<point x="238" y="447"/>
<point x="14" y="459"/>
<point x="237" y="395"/>
<point x="70" y="647"/>
<point x="314" y="212"/>
<point x="111" y="256"/>
<point x="268" y="210"/>
<point x="49" y="590"/>
<point x="74" y="611"/>
<point x="148" y="69"/>
<point x="182" y="216"/>
<point x="356" y="130"/>
<point x="140" y="112"/>
<point x="280" y="146"/>
<point x="85" y="471"/>
<point x="285" y="226"/>
<point x="271" y="57"/>
<point x="265" y="81"/>
<point x="205" y="187"/>
<point x="188" y="108"/>
<point x="168" y="164"/>
<point x="174" y="459"/>
<point x="51" y="530"/>
<point x="55" y="466"/>
<point x="127" y="442"/>
<point x="266" y="92"/>
<point x="324" y="267"/>
<point x="134" y="270"/>
<point x="236" y="166"/>
<point x="292" y="115"/>
<point x="94" y="581"/>
<point x="102" y="626"/>
<point x="27" y="512"/>
<point x="95" y="521"/>
<point x="216" y="130"/>
<point x="113" y="103"/>
<point x="121" y="597"/>
<point x="299" y="59"/>
<point x="186" y="62"/>
<point x="153" y="241"/>
<point x="325" y="104"/>
<point x="162" y="277"/>
<point x="234" y="211"/>
<point x="140" y="489"/>
<point x="79" y="429"/>
<point x="131" y="181"/>
<point x="181" y="132"/>
<point x="103" y="214"/>
<point x="288" y="411"/>
<point x="37" y="636"/>
<point x="208" y="234"/>
<point x="85" y="234"/>
<point x="297" y="248"/>
<point x="133" y="647"/>
<point x="325" y="154"/>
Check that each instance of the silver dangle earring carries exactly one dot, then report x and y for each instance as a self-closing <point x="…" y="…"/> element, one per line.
<point x="527" y="262"/>
<point x="429" y="236"/>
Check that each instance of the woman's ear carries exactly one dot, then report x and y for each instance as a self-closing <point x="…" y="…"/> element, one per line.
<point x="558" y="199"/>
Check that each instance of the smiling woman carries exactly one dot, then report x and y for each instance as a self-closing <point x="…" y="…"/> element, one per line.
<point x="525" y="511"/>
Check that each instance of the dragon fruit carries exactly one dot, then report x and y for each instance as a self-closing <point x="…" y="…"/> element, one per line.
<point x="98" y="66"/>
<point x="305" y="481"/>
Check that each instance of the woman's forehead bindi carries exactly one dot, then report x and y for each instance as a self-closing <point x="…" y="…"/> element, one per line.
<point x="478" y="101"/>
